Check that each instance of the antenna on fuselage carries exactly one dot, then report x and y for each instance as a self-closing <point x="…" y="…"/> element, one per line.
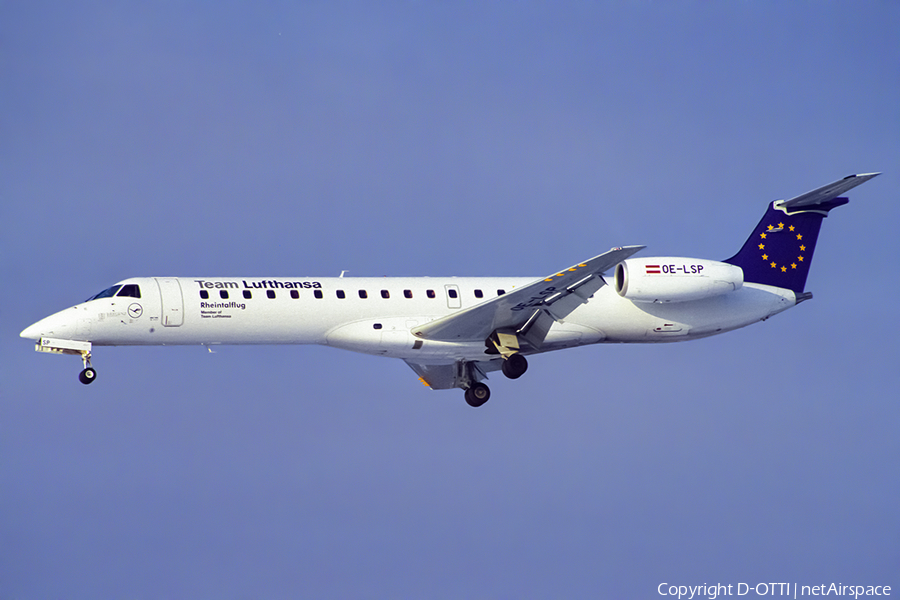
<point x="342" y="273"/>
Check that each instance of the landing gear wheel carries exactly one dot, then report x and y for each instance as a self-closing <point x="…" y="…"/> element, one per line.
<point x="477" y="395"/>
<point x="87" y="376"/>
<point x="514" y="366"/>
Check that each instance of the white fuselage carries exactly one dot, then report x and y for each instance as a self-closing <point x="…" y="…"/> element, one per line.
<point x="288" y="310"/>
<point x="453" y="331"/>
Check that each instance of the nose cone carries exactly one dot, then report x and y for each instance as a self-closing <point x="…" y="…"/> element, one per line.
<point x="32" y="332"/>
<point x="58" y="325"/>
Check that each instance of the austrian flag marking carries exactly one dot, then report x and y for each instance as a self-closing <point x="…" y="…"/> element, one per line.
<point x="652" y="269"/>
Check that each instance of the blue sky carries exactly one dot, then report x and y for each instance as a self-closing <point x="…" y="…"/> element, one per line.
<point x="417" y="138"/>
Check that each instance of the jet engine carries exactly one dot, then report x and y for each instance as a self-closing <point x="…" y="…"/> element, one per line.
<point x="674" y="279"/>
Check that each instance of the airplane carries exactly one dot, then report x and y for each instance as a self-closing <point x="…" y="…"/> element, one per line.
<point x="453" y="331"/>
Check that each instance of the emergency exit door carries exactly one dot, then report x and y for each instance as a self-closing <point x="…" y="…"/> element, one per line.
<point x="453" y="299"/>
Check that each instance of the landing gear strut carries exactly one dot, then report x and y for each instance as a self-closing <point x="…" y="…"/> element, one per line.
<point x="477" y="395"/>
<point x="88" y="375"/>
<point x="514" y="366"/>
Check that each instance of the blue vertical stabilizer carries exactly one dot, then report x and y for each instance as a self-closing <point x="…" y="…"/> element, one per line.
<point x="780" y="249"/>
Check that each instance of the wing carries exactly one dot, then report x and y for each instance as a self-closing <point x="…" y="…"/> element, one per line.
<point x="532" y="308"/>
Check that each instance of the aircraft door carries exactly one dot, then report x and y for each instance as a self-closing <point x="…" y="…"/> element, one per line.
<point x="453" y="299"/>
<point x="172" y="301"/>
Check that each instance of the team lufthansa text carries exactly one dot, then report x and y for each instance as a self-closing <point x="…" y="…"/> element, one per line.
<point x="266" y="284"/>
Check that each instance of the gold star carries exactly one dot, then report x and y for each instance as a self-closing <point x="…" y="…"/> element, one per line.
<point x="802" y="248"/>
<point x="773" y="265"/>
<point x="791" y="228"/>
<point x="784" y="269"/>
<point x="765" y="257"/>
<point x="762" y="235"/>
<point x="793" y="265"/>
<point x="771" y="227"/>
<point x="799" y="237"/>
<point x="800" y="258"/>
<point x="762" y="246"/>
<point x="781" y="226"/>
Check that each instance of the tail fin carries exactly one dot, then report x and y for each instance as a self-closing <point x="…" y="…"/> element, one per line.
<point x="780" y="249"/>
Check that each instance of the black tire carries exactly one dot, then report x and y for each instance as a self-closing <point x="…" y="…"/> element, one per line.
<point x="477" y="395"/>
<point x="514" y="366"/>
<point x="87" y="376"/>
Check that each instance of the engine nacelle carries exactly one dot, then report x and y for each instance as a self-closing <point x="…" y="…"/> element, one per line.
<point x="675" y="279"/>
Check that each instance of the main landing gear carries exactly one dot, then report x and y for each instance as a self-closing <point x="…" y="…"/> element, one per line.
<point x="477" y="394"/>
<point x="514" y="366"/>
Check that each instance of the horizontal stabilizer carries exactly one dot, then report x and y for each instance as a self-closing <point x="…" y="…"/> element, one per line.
<point x="817" y="197"/>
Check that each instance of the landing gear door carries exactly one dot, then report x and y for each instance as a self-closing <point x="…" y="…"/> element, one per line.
<point x="172" y="301"/>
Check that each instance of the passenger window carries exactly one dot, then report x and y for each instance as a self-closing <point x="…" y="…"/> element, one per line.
<point x="204" y="294"/>
<point x="318" y="294"/>
<point x="376" y="326"/>
<point x="429" y="293"/>
<point x="363" y="294"/>
<point x="247" y="294"/>
<point x="501" y="292"/>
<point x="131" y="290"/>
<point x="452" y="293"/>
<point x="385" y="294"/>
<point x="340" y="294"/>
<point x="270" y="293"/>
<point x="479" y="294"/>
<point x="295" y="294"/>
<point x="407" y="293"/>
<point x="223" y="294"/>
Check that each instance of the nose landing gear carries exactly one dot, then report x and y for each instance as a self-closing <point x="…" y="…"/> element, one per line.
<point x="71" y="347"/>
<point x="88" y="375"/>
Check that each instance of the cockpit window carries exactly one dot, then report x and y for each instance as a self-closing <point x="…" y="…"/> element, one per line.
<point x="132" y="290"/>
<point x="107" y="293"/>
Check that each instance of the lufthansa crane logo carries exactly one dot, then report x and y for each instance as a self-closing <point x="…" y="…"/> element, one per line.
<point x="135" y="310"/>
